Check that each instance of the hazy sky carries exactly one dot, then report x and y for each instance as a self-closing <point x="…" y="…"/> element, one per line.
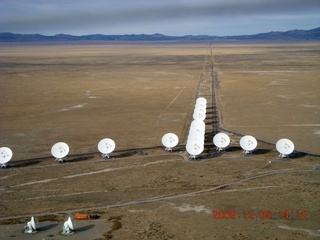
<point x="170" y="17"/>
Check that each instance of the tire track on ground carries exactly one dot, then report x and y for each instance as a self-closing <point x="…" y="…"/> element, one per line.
<point x="168" y="197"/>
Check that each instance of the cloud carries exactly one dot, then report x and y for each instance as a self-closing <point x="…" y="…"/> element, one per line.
<point x="54" y="16"/>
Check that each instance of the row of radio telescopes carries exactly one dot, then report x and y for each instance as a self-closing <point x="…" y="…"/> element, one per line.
<point x="194" y="145"/>
<point x="195" y="140"/>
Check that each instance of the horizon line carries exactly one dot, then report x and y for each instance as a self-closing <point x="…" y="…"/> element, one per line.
<point x="159" y="34"/>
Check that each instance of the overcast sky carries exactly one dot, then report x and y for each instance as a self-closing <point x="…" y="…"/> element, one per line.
<point x="169" y="17"/>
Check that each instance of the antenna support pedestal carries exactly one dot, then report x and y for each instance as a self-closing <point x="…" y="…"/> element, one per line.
<point x="283" y="156"/>
<point x="67" y="231"/>
<point x="68" y="228"/>
<point x="220" y="150"/>
<point x="30" y="228"/>
<point x="247" y="152"/>
<point x="60" y="160"/>
<point x="167" y="149"/>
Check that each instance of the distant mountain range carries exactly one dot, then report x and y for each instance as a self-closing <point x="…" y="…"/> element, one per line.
<point x="293" y="35"/>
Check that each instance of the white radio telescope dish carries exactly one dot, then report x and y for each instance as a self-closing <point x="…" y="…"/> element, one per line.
<point x="199" y="116"/>
<point x="170" y="140"/>
<point x="200" y="107"/>
<point x="201" y="100"/>
<point x="197" y="136"/>
<point x="106" y="146"/>
<point x="199" y="123"/>
<point x="221" y="141"/>
<point x="248" y="144"/>
<point x="68" y="227"/>
<point x="31" y="226"/>
<point x="60" y="150"/>
<point x="5" y="156"/>
<point x="284" y="147"/>
<point x="194" y="148"/>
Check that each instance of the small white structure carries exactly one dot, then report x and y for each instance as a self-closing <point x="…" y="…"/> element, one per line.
<point x="31" y="226"/>
<point x="68" y="228"/>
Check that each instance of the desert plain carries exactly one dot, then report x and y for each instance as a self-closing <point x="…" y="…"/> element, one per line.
<point x="134" y="93"/>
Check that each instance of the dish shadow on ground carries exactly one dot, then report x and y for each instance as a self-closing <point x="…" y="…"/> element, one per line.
<point x="85" y="228"/>
<point x="79" y="159"/>
<point x="23" y="163"/>
<point x="48" y="227"/>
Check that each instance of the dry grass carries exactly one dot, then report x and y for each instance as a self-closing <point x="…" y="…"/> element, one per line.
<point x="136" y="93"/>
<point x="268" y="91"/>
<point x="83" y="93"/>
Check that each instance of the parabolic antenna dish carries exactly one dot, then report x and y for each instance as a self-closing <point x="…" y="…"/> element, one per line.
<point x="196" y="130"/>
<point x="196" y="126"/>
<point x="170" y="140"/>
<point x="70" y="223"/>
<point x="60" y="150"/>
<point x="31" y="226"/>
<point x="200" y="103"/>
<point x="199" y="116"/>
<point x="202" y="100"/>
<point x="285" y="146"/>
<point x="197" y="136"/>
<point x="5" y="155"/>
<point x="194" y="147"/>
<point x="33" y="223"/>
<point x="221" y="140"/>
<point x="106" y="146"/>
<point x="68" y="227"/>
<point x="198" y="123"/>
<point x="200" y="109"/>
<point x="248" y="143"/>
